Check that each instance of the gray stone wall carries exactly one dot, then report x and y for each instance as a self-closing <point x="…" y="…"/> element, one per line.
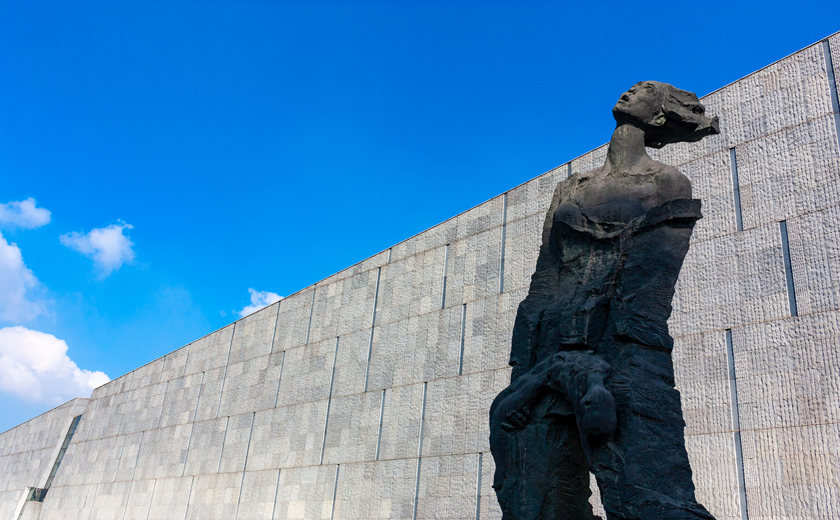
<point x="365" y="396"/>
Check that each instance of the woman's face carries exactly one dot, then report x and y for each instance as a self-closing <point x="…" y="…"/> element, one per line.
<point x="642" y="102"/>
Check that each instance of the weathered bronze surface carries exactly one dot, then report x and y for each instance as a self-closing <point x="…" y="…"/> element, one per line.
<point x="592" y="387"/>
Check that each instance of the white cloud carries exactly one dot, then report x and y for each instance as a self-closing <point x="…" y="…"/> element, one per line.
<point x="259" y="299"/>
<point x="23" y="214"/>
<point x="34" y="366"/>
<point x="16" y="284"/>
<point x="109" y="247"/>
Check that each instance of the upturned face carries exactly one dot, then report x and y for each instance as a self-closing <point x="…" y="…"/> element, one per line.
<point x="642" y="102"/>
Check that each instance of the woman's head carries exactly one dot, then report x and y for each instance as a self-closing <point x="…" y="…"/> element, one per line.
<point x="666" y="114"/>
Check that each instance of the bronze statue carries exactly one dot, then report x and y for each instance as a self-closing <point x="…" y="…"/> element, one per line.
<point x="592" y="387"/>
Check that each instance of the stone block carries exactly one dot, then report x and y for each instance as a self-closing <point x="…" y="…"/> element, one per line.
<point x="401" y="422"/>
<point x="448" y="487"/>
<point x="210" y="352"/>
<point x="382" y="490"/>
<point x="205" y="447"/>
<point x="353" y="428"/>
<point x="457" y="420"/>
<point x="293" y="320"/>
<point x="306" y="373"/>
<point x="305" y="493"/>
<point x="253" y="335"/>
<point x="286" y="437"/>
<point x="214" y="497"/>
<point x="170" y="497"/>
<point x="251" y="385"/>
<point x="257" y="495"/>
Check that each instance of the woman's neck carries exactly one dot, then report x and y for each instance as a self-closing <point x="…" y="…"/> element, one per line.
<point x="627" y="148"/>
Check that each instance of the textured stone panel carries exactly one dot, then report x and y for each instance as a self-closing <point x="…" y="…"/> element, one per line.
<point x="815" y="258"/>
<point x="257" y="495"/>
<point x="142" y="408"/>
<point x="305" y="493"/>
<point x="214" y="497"/>
<point x="110" y="500"/>
<point x="714" y="466"/>
<point x="205" y="447"/>
<point x="139" y="499"/>
<point x="210" y="352"/>
<point x="306" y="373"/>
<point x="251" y="385"/>
<point x="789" y="172"/>
<point x="175" y="364"/>
<point x="410" y="286"/>
<point x="351" y="363"/>
<point x="127" y="458"/>
<point x="237" y="440"/>
<point x="787" y="372"/>
<point x="448" y="488"/>
<point x="489" y="507"/>
<point x="253" y="335"/>
<point x="353" y="428"/>
<point x="293" y="320"/>
<point x="343" y="306"/>
<point x="488" y="331"/>
<point x="381" y="490"/>
<point x="181" y="399"/>
<point x="702" y="375"/>
<point x="106" y="461"/>
<point x="68" y="502"/>
<point x="711" y="182"/>
<point x="210" y="394"/>
<point x="792" y="473"/>
<point x="170" y="497"/>
<point x="401" y="422"/>
<point x="287" y="437"/>
<point x="416" y="349"/>
<point x="522" y="247"/>
<point x="456" y="413"/>
<point x="534" y="196"/>
<point x="738" y="278"/>
<point x="148" y="374"/>
<point x="162" y="452"/>
<point x="473" y="267"/>
<point x="589" y="160"/>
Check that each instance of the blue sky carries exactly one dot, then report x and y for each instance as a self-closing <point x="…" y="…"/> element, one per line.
<point x="178" y="153"/>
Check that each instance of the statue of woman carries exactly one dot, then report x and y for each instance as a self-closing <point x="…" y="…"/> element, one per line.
<point x="592" y="386"/>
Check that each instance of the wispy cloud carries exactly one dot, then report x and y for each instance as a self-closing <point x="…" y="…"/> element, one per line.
<point x="34" y="366"/>
<point x="16" y="285"/>
<point x="259" y="299"/>
<point x="23" y="214"/>
<point x="108" y="247"/>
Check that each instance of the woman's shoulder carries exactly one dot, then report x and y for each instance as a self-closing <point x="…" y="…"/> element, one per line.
<point x="671" y="183"/>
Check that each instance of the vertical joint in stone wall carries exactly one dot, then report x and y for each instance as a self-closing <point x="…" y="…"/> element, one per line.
<point x="224" y="439"/>
<point x="419" y="451"/>
<point x="276" y="492"/>
<point x="373" y="323"/>
<point x="152" y="497"/>
<point x="445" y="267"/>
<point x="832" y="85"/>
<point x="329" y="403"/>
<point x="462" y="340"/>
<point x="736" y="189"/>
<point x="478" y="489"/>
<point x="245" y="465"/>
<point x="224" y="372"/>
<point x="192" y="425"/>
<point x="274" y="334"/>
<point x="335" y="491"/>
<point x="791" y="289"/>
<point x="568" y="169"/>
<point x="504" y="235"/>
<point x="311" y="309"/>
<point x="736" y="426"/>
<point x="189" y="499"/>
<point x="279" y="378"/>
<point x="381" y="417"/>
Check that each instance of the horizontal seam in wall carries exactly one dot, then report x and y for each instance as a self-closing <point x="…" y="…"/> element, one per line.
<point x="371" y="391"/>
<point x="787" y="317"/>
<point x="285" y="468"/>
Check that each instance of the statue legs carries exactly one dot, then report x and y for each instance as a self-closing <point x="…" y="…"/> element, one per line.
<point x="541" y="471"/>
<point x="643" y="472"/>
